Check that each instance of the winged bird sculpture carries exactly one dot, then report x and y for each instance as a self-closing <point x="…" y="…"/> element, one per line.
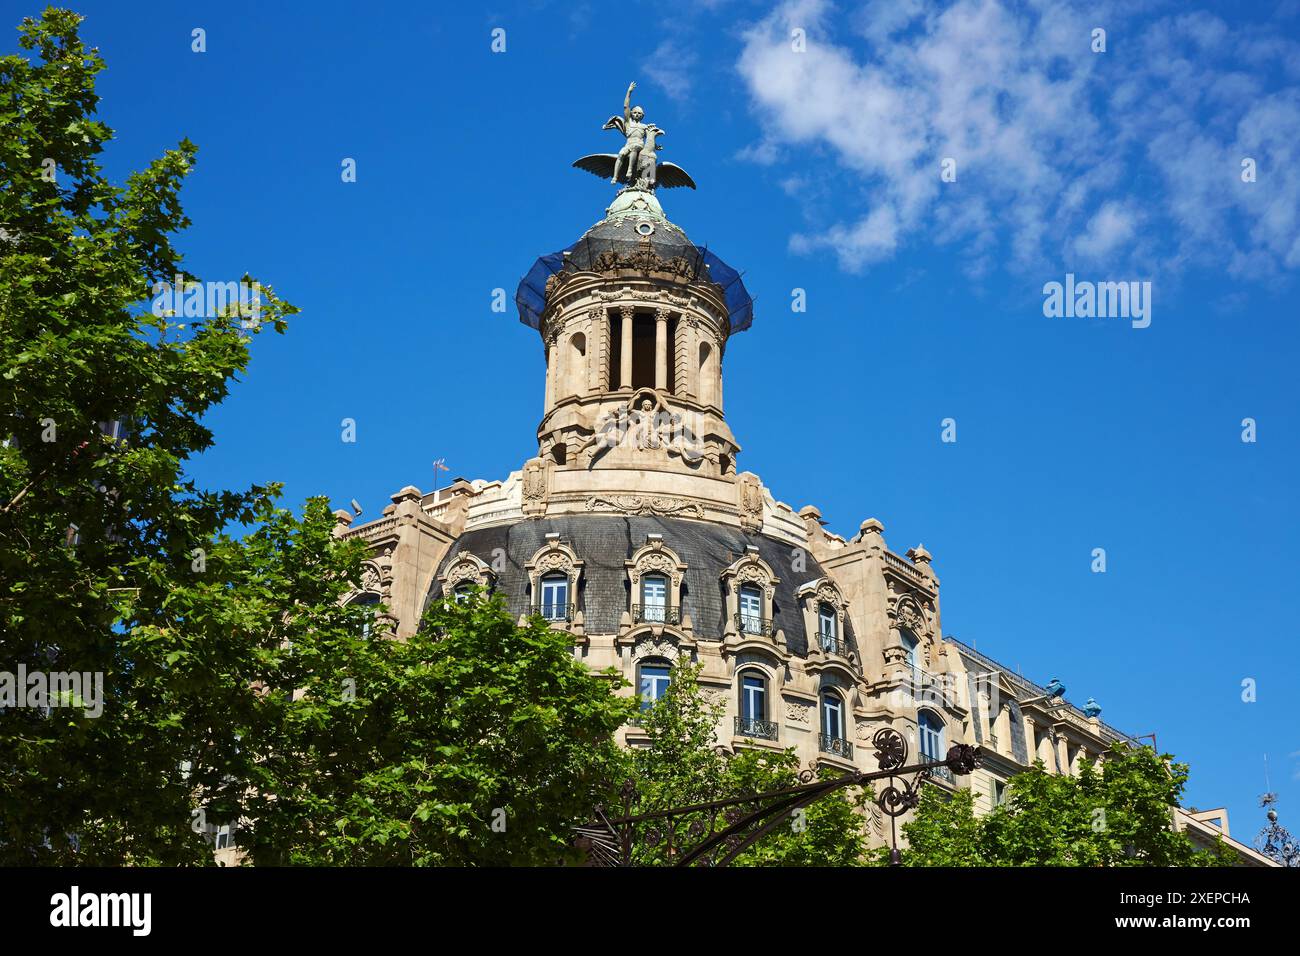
<point x="635" y="164"/>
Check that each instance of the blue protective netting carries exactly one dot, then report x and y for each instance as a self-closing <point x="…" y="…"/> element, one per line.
<point x="530" y="297"/>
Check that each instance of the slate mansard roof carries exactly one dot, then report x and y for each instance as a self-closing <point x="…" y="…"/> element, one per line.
<point x="605" y="542"/>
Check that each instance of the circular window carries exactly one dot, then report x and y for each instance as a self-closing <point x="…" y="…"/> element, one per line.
<point x="645" y="228"/>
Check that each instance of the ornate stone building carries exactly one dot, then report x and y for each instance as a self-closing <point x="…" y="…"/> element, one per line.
<point x="636" y="530"/>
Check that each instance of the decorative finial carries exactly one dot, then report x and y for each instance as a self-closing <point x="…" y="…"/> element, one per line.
<point x="1275" y="841"/>
<point x="635" y="164"/>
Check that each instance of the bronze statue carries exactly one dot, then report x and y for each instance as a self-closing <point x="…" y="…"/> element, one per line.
<point x="635" y="164"/>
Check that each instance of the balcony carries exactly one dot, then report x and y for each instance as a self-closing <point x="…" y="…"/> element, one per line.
<point x="656" y="614"/>
<point x="753" y="727"/>
<point x="836" y="746"/>
<point x="940" y="773"/>
<point x="553" y="612"/>
<point x="833" y="645"/>
<point x="751" y="624"/>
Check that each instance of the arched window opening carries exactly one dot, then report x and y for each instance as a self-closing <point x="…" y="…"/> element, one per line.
<point x="654" y="599"/>
<point x="910" y="645"/>
<point x="930" y="731"/>
<point x="753" y="721"/>
<point x="653" y="678"/>
<point x="828" y="627"/>
<point x="555" y="604"/>
<point x="614" y="336"/>
<point x="751" y="610"/>
<point x="370" y="601"/>
<point x="832" y="739"/>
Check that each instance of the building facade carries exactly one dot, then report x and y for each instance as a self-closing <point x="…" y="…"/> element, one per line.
<point x="636" y="530"/>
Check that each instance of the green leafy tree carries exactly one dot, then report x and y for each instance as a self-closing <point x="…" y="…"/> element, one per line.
<point x="944" y="832"/>
<point x="682" y="764"/>
<point x="102" y="538"/>
<point x="1118" y="815"/>
<point x="477" y="741"/>
<point x="238" y="684"/>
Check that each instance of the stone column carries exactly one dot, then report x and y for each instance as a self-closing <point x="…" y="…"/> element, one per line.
<point x="598" y="351"/>
<point x="625" y="356"/>
<point x="661" y="349"/>
<point x="550" y="376"/>
<point x="680" y="360"/>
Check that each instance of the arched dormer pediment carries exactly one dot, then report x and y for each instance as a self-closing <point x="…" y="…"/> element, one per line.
<point x="656" y="583"/>
<point x="749" y="568"/>
<point x="908" y="616"/>
<point x="822" y="591"/>
<point x="907" y="612"/>
<point x="655" y="557"/>
<point x="555" y="557"/>
<point x="467" y="569"/>
<point x="557" y="566"/>
<point x="825" y="615"/>
<point x="749" y="588"/>
<point x="376" y="579"/>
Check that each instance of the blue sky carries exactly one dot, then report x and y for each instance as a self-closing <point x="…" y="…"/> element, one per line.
<point x="818" y="171"/>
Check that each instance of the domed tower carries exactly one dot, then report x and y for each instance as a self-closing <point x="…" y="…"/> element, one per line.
<point x="632" y="529"/>
<point x="634" y="320"/>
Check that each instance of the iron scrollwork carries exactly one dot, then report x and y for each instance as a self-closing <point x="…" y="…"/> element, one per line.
<point x="715" y="832"/>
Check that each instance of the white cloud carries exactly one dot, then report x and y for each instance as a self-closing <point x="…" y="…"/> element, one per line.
<point x="1113" y="226"/>
<point x="1126" y="160"/>
<point x="670" y="66"/>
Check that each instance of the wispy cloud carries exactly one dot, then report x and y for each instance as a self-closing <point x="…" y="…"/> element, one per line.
<point x="1129" y="158"/>
<point x="671" y="66"/>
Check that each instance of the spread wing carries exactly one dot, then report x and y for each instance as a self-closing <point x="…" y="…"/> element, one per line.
<point x="615" y="122"/>
<point x="598" y="164"/>
<point x="668" y="175"/>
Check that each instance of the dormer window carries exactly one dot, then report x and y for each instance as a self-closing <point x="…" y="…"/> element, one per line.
<point x="751" y="610"/>
<point x="554" y="573"/>
<point x="555" y="597"/>
<point x="654" y="598"/>
<point x="750" y="588"/>
<point x="910" y="644"/>
<point x="656" y="584"/>
<point x="826" y="624"/>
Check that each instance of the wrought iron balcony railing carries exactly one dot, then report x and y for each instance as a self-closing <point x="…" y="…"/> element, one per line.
<point x="942" y="772"/>
<point x="752" y="624"/>
<point x="656" y="614"/>
<point x="835" y="745"/>
<point x="753" y="727"/>
<point x="833" y="645"/>
<point x="554" y="612"/>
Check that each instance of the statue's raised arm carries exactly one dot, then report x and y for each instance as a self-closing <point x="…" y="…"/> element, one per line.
<point x="627" y="103"/>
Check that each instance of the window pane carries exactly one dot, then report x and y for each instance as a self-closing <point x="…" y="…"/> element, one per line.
<point x="751" y="610"/>
<point x="654" y="682"/>
<point x="831" y="723"/>
<point x="931" y="734"/>
<point x="753" y="698"/>
<point x="654" y="597"/>
<point x="826" y="621"/>
<point x="555" y="598"/>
